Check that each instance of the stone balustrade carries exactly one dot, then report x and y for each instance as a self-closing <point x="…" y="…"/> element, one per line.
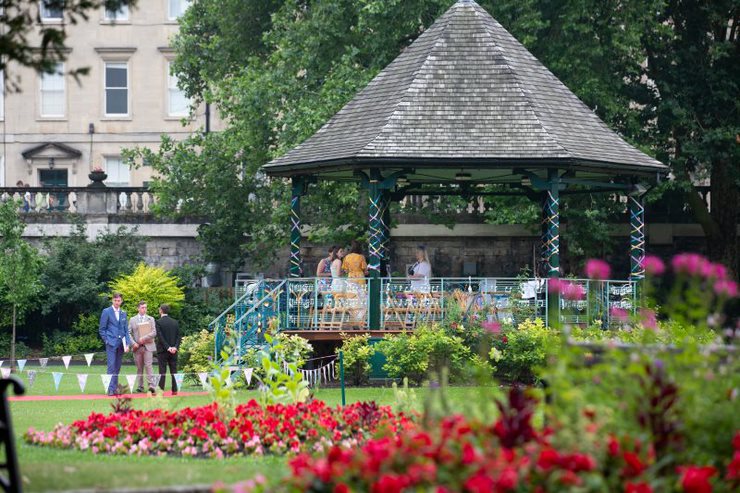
<point x="81" y="200"/>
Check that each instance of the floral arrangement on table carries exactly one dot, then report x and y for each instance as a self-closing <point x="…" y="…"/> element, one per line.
<point x="201" y="432"/>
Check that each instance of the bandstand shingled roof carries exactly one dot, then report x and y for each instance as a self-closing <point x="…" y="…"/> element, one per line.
<point x="465" y="95"/>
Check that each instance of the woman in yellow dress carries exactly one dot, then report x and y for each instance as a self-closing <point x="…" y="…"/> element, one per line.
<point x="355" y="265"/>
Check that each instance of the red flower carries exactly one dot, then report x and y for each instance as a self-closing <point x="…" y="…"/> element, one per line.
<point x="733" y="468"/>
<point x="633" y="465"/>
<point x="569" y="478"/>
<point x="638" y="488"/>
<point x="695" y="479"/>
<point x="480" y="483"/>
<point x="736" y="441"/>
<point x="508" y="479"/>
<point x="341" y="488"/>
<point x="389" y="483"/>
<point x="155" y="433"/>
<point x="110" y="432"/>
<point x="612" y="446"/>
<point x="469" y="456"/>
<point x="548" y="459"/>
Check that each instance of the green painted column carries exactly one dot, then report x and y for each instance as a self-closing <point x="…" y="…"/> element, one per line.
<point x="296" y="269"/>
<point x="385" y="229"/>
<point x="551" y="226"/>
<point x="637" y="236"/>
<point x="375" y="256"/>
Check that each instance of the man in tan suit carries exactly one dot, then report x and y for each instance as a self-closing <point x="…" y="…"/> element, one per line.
<point x="143" y="333"/>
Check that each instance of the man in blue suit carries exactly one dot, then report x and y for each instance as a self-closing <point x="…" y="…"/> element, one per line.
<point x="114" y="332"/>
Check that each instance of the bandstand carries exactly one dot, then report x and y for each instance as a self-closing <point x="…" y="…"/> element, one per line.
<point x="465" y="106"/>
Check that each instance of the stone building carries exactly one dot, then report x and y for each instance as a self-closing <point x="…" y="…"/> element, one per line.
<point x="56" y="129"/>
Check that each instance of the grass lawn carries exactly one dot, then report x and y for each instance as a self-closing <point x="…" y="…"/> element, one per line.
<point x="45" y="469"/>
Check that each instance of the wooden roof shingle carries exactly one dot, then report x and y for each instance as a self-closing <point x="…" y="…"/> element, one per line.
<point x="465" y="95"/>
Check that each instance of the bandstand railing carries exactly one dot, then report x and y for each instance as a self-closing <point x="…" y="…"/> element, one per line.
<point x="323" y="304"/>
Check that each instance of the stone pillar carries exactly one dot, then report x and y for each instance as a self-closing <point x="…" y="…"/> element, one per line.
<point x="636" y="209"/>
<point x="296" y="269"/>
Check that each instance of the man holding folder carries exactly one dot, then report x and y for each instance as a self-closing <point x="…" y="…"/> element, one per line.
<point x="143" y="332"/>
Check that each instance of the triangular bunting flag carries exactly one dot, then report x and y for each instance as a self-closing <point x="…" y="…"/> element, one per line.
<point x="43" y="362"/>
<point x="5" y="372"/>
<point x="1" y="362"/>
<point x="179" y="377"/>
<point x="31" y="378"/>
<point x="89" y="357"/>
<point x="248" y="375"/>
<point x="22" y="364"/>
<point x="57" y="378"/>
<point x="106" y="381"/>
<point x="203" y="379"/>
<point x="66" y="360"/>
<point x="82" y="380"/>
<point x="131" y="381"/>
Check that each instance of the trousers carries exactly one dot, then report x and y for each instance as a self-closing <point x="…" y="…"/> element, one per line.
<point x="167" y="359"/>
<point x="143" y="359"/>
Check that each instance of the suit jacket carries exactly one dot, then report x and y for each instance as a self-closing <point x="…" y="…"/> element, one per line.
<point x="168" y="334"/>
<point x="133" y="331"/>
<point x="113" y="331"/>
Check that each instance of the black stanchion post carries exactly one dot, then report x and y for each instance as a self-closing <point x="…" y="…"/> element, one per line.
<point x="341" y="375"/>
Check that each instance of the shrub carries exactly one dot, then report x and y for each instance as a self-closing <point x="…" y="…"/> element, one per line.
<point x="428" y="350"/>
<point x="83" y="338"/>
<point x="522" y="350"/>
<point x="357" y="353"/>
<point x="21" y="350"/>
<point x="292" y="349"/>
<point x="151" y="284"/>
<point x="196" y="353"/>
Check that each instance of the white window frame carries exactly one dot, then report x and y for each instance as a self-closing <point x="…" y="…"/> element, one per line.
<point x="172" y="87"/>
<point x="111" y="180"/>
<point x="120" y="15"/>
<point x="42" y="77"/>
<point x="44" y="11"/>
<point x="184" y="4"/>
<point x="106" y="64"/>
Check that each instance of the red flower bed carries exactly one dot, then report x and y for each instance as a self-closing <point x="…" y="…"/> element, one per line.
<point x="200" y="432"/>
<point x="508" y="455"/>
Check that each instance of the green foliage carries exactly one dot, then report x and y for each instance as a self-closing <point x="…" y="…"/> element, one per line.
<point x="357" y="353"/>
<point x="669" y="332"/>
<point x="151" y="284"/>
<point x="520" y="351"/>
<point x="83" y="338"/>
<point x="77" y="271"/>
<point x="277" y="385"/>
<point x="21" y="350"/>
<point x="427" y="350"/>
<point x="196" y="353"/>
<point x="404" y="398"/>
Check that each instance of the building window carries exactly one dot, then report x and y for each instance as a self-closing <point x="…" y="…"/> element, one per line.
<point x="177" y="103"/>
<point x="116" y="89"/>
<point x="117" y="15"/>
<point x="119" y="173"/>
<point x="51" y="10"/>
<point x="177" y="8"/>
<point x="52" y="93"/>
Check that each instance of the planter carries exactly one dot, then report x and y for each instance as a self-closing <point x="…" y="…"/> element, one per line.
<point x="97" y="178"/>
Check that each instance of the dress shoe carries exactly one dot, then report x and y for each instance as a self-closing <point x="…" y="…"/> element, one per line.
<point x="140" y="390"/>
<point x="152" y="391"/>
<point x="174" y="392"/>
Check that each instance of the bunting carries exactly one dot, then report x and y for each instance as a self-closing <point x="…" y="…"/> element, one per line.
<point x="248" y="375"/>
<point x="179" y="377"/>
<point x="5" y="372"/>
<point x="131" y="381"/>
<point x="43" y="362"/>
<point x="106" y="381"/>
<point x="31" y="378"/>
<point x="57" y="378"/>
<point x="203" y="377"/>
<point x="66" y="360"/>
<point x="89" y="358"/>
<point x="21" y="364"/>
<point x="82" y="381"/>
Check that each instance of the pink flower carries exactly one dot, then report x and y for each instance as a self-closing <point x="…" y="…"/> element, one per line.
<point x="492" y="327"/>
<point x="725" y="287"/>
<point x="648" y="319"/>
<point x="572" y="291"/>
<point x="692" y="264"/>
<point x="653" y="265"/>
<point x="597" y="269"/>
<point x="619" y="314"/>
<point x="555" y="285"/>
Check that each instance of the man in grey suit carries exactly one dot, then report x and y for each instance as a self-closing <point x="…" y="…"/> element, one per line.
<point x="143" y="332"/>
<point x="112" y="330"/>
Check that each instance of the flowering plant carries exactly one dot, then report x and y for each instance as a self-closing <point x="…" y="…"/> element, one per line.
<point x="201" y="432"/>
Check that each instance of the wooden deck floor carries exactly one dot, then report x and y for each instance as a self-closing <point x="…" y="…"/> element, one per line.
<point x="334" y="335"/>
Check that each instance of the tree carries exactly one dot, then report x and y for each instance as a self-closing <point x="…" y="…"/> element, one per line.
<point x="20" y="266"/>
<point x="23" y="43"/>
<point x="642" y="65"/>
<point x="77" y="270"/>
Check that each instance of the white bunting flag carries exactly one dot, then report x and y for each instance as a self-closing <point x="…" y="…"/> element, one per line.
<point x="5" y="372"/>
<point x="106" y="381"/>
<point x="89" y="357"/>
<point x="1" y="362"/>
<point x="66" y="360"/>
<point x="31" y="378"/>
<point x="179" y="377"/>
<point x="82" y="380"/>
<point x="248" y="375"/>
<point x="131" y="381"/>
<point x="22" y="364"/>
<point x="57" y="378"/>
<point x="203" y="379"/>
<point x="43" y="362"/>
